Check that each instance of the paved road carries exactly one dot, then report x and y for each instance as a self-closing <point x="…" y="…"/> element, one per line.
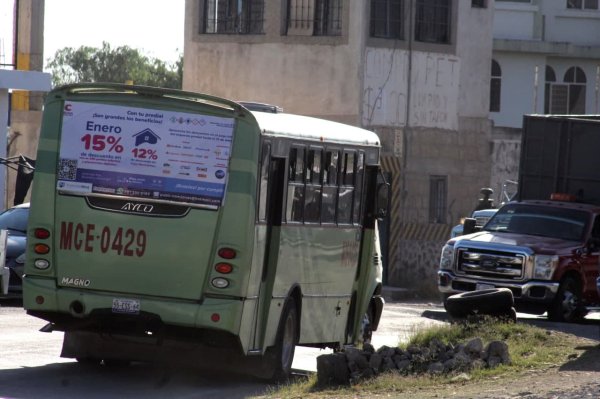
<point x="30" y="366"/>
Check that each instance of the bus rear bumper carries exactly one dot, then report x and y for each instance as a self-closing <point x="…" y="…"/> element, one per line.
<point x="81" y="309"/>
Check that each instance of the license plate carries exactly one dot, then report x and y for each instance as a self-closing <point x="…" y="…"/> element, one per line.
<point x="130" y="306"/>
<point x="479" y="286"/>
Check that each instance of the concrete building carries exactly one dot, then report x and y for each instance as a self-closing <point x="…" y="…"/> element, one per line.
<point x="415" y="71"/>
<point x="546" y="60"/>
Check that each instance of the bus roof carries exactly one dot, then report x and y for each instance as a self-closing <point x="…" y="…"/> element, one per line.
<point x="313" y="129"/>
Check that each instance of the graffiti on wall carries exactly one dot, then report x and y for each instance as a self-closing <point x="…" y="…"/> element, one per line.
<point x="384" y="96"/>
<point x="433" y="94"/>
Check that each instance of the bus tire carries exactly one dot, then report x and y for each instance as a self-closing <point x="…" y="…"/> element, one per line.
<point x="366" y="328"/>
<point x="281" y="355"/>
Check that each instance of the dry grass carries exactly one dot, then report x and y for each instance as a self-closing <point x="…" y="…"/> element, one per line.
<point x="531" y="348"/>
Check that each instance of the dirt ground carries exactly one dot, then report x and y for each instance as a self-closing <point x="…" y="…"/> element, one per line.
<point x="579" y="377"/>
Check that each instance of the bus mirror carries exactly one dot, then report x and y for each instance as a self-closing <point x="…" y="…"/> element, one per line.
<point x="383" y="197"/>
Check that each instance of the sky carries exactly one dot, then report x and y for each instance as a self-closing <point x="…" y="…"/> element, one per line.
<point x="155" y="27"/>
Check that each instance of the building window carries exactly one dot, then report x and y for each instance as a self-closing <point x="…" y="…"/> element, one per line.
<point x="432" y="21"/>
<point x="478" y="3"/>
<point x="387" y="19"/>
<point x="583" y="4"/>
<point x="495" y="87"/>
<point x="567" y="97"/>
<point x="438" y="193"/>
<point x="234" y="16"/>
<point x="314" y="17"/>
<point x="575" y="80"/>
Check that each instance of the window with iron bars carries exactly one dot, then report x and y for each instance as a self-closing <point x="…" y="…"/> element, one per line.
<point x="387" y="19"/>
<point x="438" y="194"/>
<point x="234" y="16"/>
<point x="432" y="21"/>
<point x="314" y="17"/>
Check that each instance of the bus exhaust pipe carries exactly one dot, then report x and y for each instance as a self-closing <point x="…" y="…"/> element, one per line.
<point x="77" y="309"/>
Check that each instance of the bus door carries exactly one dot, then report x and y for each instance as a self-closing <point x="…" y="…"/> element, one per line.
<point x="270" y="210"/>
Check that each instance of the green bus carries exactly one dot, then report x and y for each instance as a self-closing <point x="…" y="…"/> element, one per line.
<point x="167" y="224"/>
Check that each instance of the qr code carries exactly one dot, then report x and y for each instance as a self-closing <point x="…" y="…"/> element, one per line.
<point x="67" y="169"/>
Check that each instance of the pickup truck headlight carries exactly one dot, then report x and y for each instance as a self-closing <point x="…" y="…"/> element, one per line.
<point x="447" y="257"/>
<point x="544" y="266"/>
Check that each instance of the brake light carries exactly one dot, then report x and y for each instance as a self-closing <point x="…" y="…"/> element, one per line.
<point x="41" y="249"/>
<point x="224" y="268"/>
<point x="227" y="253"/>
<point x="42" y="234"/>
<point x="562" y="197"/>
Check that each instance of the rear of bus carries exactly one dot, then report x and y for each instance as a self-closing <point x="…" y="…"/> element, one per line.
<point x="129" y="231"/>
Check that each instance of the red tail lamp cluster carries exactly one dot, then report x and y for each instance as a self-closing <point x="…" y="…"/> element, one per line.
<point x="41" y="248"/>
<point x="223" y="267"/>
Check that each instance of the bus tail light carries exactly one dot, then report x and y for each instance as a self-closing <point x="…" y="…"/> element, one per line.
<point x="224" y="268"/>
<point x="41" y="249"/>
<point x="41" y="234"/>
<point x="227" y="253"/>
<point x="41" y="264"/>
<point x="220" y="282"/>
<point x="215" y="317"/>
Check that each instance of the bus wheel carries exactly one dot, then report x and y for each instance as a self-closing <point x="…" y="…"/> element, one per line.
<point x="366" y="328"/>
<point x="285" y="346"/>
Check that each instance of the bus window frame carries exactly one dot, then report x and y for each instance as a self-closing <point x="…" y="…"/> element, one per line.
<point x="326" y="184"/>
<point x="262" y="200"/>
<point x="294" y="183"/>
<point x="343" y="176"/>
<point x="310" y="184"/>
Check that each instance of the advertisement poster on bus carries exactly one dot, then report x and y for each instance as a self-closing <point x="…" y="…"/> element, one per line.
<point x="144" y="153"/>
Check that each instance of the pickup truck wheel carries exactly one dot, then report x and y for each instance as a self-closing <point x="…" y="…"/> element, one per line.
<point x="567" y="305"/>
<point x="493" y="301"/>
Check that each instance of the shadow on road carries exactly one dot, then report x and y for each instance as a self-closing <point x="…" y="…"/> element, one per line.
<point x="74" y="380"/>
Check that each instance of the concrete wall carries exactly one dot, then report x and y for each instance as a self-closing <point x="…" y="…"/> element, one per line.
<point x="428" y="102"/>
<point x="581" y="27"/>
<point x="516" y="20"/>
<point x="530" y="36"/>
<point x="307" y="75"/>
<point x="433" y="95"/>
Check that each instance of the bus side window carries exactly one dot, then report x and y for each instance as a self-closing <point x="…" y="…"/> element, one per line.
<point x="264" y="182"/>
<point x="358" y="187"/>
<point x="330" y="179"/>
<point x="347" y="189"/>
<point x="295" y="193"/>
<point x="312" y="208"/>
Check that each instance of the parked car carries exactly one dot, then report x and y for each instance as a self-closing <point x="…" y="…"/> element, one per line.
<point x="14" y="221"/>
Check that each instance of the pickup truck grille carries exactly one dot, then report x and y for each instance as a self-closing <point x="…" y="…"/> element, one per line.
<point x="490" y="264"/>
